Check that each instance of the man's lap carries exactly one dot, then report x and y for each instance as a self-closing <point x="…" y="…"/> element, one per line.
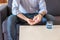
<point x="20" y="21"/>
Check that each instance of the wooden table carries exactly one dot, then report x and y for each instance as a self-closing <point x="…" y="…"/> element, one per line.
<point x="39" y="33"/>
<point x="3" y="1"/>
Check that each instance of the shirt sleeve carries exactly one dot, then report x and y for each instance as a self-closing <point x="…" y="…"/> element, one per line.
<point x="42" y="6"/>
<point x="15" y="8"/>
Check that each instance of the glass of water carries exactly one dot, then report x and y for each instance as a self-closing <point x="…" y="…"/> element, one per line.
<point x="49" y="25"/>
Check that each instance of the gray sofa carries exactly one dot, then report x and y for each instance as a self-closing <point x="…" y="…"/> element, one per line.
<point x="2" y="10"/>
<point x="53" y="7"/>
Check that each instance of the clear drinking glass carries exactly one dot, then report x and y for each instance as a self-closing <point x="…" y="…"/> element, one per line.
<point x="49" y="25"/>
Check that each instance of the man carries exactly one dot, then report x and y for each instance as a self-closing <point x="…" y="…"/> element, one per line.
<point x="27" y="12"/>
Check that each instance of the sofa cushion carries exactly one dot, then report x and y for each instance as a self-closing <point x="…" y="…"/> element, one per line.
<point x="57" y="20"/>
<point x="9" y="9"/>
<point x="53" y="7"/>
<point x="10" y="3"/>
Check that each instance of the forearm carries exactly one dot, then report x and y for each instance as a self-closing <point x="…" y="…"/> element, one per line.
<point x="43" y="13"/>
<point x="22" y="16"/>
<point x="42" y="7"/>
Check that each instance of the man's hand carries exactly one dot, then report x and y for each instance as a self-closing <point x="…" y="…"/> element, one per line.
<point x="30" y="21"/>
<point x="33" y="21"/>
<point x="37" y="18"/>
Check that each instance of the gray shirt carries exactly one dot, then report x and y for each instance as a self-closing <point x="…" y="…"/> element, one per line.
<point x="28" y="6"/>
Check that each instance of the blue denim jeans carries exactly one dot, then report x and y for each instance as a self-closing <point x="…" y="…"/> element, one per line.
<point x="13" y="20"/>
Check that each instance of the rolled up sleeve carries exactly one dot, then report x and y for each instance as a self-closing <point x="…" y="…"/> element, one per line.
<point x="42" y="6"/>
<point x="15" y="8"/>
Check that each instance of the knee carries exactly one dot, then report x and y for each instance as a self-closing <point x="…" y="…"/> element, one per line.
<point x="12" y="17"/>
<point x="43" y="20"/>
<point x="11" y="21"/>
<point x="50" y="18"/>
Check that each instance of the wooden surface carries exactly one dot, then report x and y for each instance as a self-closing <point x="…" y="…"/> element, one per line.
<point x="39" y="33"/>
<point x="3" y="1"/>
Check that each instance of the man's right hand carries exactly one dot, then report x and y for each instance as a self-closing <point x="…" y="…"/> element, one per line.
<point x="30" y="21"/>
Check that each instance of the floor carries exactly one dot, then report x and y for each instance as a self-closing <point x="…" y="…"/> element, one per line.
<point x="39" y="33"/>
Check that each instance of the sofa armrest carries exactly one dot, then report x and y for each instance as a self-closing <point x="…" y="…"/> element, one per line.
<point x="3" y="12"/>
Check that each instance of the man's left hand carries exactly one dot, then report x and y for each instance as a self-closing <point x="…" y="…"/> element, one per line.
<point x="37" y="18"/>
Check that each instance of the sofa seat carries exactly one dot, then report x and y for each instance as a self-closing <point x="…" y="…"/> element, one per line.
<point x="57" y="20"/>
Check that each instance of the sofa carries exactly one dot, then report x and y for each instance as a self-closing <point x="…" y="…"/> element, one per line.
<point x="53" y="7"/>
<point x="2" y="10"/>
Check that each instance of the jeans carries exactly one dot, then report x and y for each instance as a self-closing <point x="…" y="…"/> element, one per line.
<point x="13" y="20"/>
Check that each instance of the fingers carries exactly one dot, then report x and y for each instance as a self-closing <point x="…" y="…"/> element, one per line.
<point x="30" y="22"/>
<point x="34" y="18"/>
